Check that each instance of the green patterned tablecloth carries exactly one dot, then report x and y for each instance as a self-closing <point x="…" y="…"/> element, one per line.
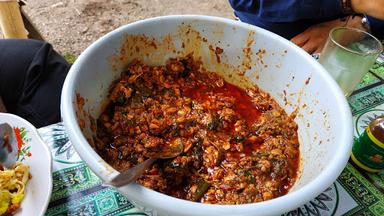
<point x="78" y="191"/>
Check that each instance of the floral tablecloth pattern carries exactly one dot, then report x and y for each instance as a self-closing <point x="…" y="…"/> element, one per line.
<point x="78" y="191"/>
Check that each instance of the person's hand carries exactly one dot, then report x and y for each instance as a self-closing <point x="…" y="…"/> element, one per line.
<point x="374" y="8"/>
<point x="314" y="38"/>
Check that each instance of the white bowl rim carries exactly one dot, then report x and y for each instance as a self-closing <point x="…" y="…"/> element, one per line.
<point x="284" y="203"/>
<point x="33" y="130"/>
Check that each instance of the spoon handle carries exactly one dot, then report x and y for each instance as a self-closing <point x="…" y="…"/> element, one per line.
<point x="8" y="146"/>
<point x="130" y="175"/>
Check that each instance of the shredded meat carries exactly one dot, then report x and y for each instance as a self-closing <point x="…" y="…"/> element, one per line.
<point x="239" y="145"/>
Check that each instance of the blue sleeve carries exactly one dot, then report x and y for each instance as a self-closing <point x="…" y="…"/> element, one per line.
<point x="288" y="10"/>
<point x="377" y="27"/>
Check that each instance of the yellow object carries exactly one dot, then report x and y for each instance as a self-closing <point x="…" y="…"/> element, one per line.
<point x="5" y="198"/>
<point x="358" y="163"/>
<point x="11" y="22"/>
<point x="12" y="185"/>
<point x="374" y="139"/>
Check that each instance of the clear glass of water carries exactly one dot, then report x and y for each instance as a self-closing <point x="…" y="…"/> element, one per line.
<point x="348" y="55"/>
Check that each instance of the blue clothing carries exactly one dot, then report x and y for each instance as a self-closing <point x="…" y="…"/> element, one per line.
<point x="291" y="17"/>
<point x="377" y="27"/>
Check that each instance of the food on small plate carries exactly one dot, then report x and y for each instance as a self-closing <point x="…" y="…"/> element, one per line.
<point x="239" y="145"/>
<point x="12" y="187"/>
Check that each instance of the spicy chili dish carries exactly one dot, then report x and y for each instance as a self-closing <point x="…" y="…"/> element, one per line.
<point x="239" y="145"/>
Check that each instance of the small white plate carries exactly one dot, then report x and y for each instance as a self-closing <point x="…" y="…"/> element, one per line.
<point x="36" y="154"/>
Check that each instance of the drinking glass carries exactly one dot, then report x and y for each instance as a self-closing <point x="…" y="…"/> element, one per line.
<point x="348" y="55"/>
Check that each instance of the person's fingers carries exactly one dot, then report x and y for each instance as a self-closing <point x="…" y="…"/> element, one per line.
<point x="300" y="39"/>
<point x="309" y="47"/>
<point x="318" y="50"/>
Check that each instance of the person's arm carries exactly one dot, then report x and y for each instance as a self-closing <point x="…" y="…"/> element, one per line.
<point x="374" y="8"/>
<point x="313" y="39"/>
<point x="288" y="10"/>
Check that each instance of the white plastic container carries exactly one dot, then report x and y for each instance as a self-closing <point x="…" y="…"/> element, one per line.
<point x="290" y="75"/>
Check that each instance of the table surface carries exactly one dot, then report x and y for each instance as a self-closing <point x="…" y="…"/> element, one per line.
<point x="78" y="191"/>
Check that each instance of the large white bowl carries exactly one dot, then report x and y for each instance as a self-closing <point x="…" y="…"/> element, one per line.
<point x="37" y="156"/>
<point x="277" y="66"/>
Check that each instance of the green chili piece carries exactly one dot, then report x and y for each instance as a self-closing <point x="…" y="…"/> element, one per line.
<point x="202" y="187"/>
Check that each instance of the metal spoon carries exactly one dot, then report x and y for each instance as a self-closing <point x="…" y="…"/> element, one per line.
<point x="132" y="174"/>
<point x="8" y="146"/>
